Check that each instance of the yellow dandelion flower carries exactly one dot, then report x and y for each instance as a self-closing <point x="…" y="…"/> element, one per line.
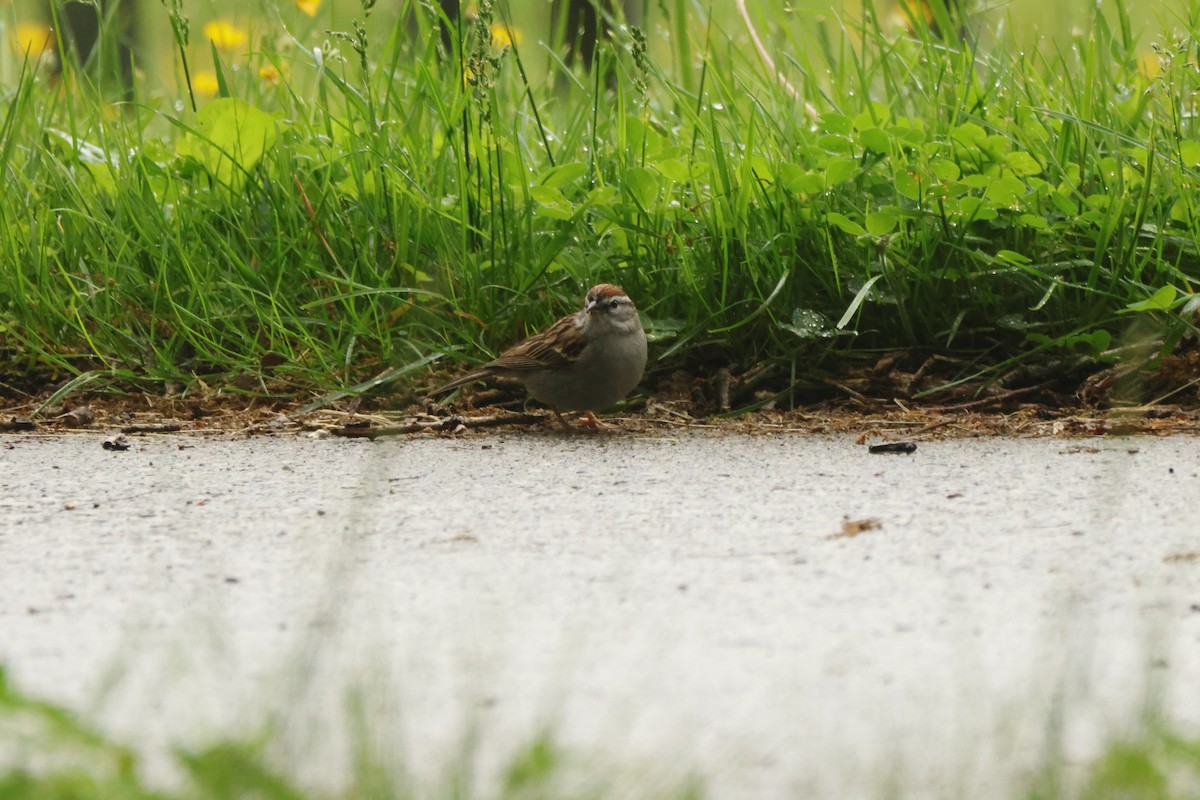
<point x="504" y="36"/>
<point x="309" y="6"/>
<point x="270" y="76"/>
<point x="33" y="38"/>
<point x="224" y="34"/>
<point x="204" y="84"/>
<point x="1150" y="64"/>
<point x="916" y="9"/>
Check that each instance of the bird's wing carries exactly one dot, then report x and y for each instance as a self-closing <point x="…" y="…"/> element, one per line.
<point x="554" y="348"/>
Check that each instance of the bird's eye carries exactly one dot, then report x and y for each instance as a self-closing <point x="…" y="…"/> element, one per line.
<point x="613" y="304"/>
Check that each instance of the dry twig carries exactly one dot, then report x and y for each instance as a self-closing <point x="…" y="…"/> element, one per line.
<point x="448" y="424"/>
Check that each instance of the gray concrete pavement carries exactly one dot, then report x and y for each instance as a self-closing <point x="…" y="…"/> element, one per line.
<point x="664" y="603"/>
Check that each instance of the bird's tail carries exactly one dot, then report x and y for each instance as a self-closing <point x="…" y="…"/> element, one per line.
<point x="470" y="377"/>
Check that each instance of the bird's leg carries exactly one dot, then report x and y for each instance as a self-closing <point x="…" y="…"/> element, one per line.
<point x="566" y="425"/>
<point x="589" y="421"/>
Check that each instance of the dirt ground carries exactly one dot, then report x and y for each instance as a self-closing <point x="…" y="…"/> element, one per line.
<point x="900" y="395"/>
<point x="253" y="416"/>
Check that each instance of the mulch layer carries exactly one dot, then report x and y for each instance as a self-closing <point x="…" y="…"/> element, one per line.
<point x="900" y="397"/>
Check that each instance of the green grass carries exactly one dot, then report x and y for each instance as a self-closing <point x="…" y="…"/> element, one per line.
<point x="388" y="205"/>
<point x="48" y="752"/>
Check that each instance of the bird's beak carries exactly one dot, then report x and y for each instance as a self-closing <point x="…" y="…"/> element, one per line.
<point x="592" y="307"/>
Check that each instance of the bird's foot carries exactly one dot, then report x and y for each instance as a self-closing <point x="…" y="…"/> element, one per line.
<point x="566" y="426"/>
<point x="587" y="422"/>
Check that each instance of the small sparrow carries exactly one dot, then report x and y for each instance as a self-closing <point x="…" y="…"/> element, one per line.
<point x="584" y="362"/>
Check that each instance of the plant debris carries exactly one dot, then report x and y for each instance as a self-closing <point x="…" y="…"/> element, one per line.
<point x="902" y="397"/>
<point x="118" y="443"/>
<point x="853" y="527"/>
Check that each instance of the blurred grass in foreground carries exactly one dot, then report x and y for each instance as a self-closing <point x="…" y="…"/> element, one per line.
<point x="49" y="753"/>
<point x="357" y="201"/>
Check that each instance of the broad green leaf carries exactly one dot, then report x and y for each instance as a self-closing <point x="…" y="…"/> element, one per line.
<point x="1034" y="221"/>
<point x="603" y="195"/>
<point x="944" y="170"/>
<point x="676" y="170"/>
<point x="872" y="116"/>
<point x="635" y="132"/>
<point x="559" y="176"/>
<point x="969" y="135"/>
<point x="1063" y="202"/>
<point x="809" y="324"/>
<point x="908" y="186"/>
<point x="1039" y="187"/>
<point x="836" y="124"/>
<point x="799" y="180"/>
<point x="839" y="170"/>
<point x="609" y="231"/>
<point x="230" y="138"/>
<point x="1034" y="129"/>
<point x="1161" y="300"/>
<point x="1013" y="257"/>
<point x="1022" y="164"/>
<point x="1189" y="153"/>
<point x="1038" y="339"/>
<point x="845" y="223"/>
<point x="363" y="185"/>
<point x="105" y="176"/>
<point x="1093" y="343"/>
<point x="908" y="137"/>
<point x="876" y="139"/>
<point x="1182" y="210"/>
<point x="1007" y="191"/>
<point x="974" y="208"/>
<point x="881" y="223"/>
<point x="551" y="203"/>
<point x="758" y="169"/>
<point x="663" y="328"/>
<point x="512" y="172"/>
<point x="835" y="144"/>
<point x="643" y="186"/>
<point x="996" y="145"/>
